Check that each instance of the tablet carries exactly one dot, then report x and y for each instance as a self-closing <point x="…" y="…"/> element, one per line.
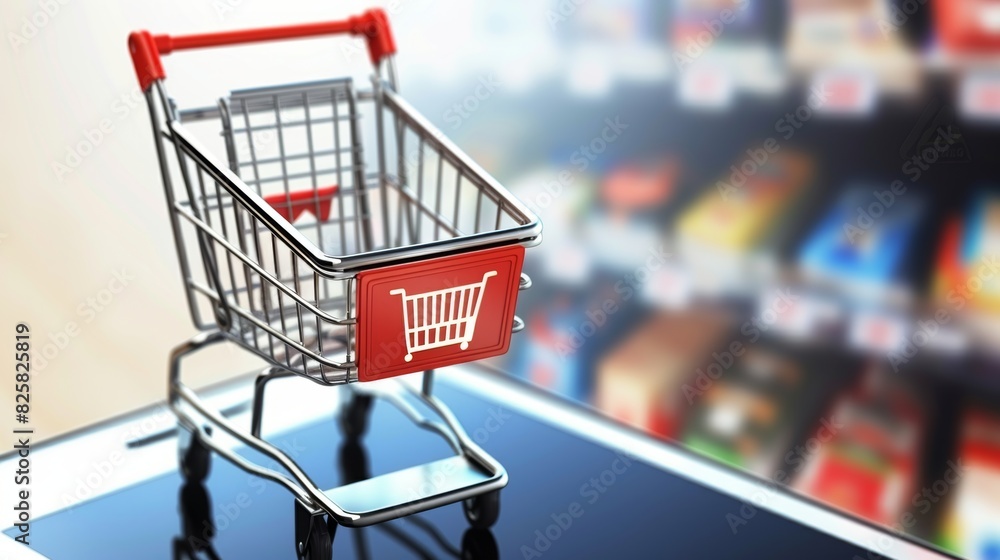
<point x="581" y="486"/>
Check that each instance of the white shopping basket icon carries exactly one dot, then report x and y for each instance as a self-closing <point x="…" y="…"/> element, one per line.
<point x="442" y="317"/>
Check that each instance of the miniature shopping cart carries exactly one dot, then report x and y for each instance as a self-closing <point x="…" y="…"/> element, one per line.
<point x="344" y="239"/>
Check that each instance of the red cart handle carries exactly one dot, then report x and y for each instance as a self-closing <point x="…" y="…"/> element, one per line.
<point x="147" y="48"/>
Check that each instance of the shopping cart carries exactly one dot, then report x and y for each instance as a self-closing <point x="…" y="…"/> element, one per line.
<point x="298" y="249"/>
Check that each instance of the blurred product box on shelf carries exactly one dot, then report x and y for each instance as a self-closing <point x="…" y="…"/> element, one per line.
<point x="968" y="25"/>
<point x="968" y="263"/>
<point x="966" y="276"/>
<point x="859" y="256"/>
<point x="861" y="247"/>
<point x="567" y="335"/>
<point x="860" y="35"/>
<point x="623" y="232"/>
<point x="728" y="238"/>
<point x="967" y="43"/>
<point x="721" y="48"/>
<point x="971" y="525"/>
<point x="866" y="459"/>
<point x="639" y="187"/>
<point x="548" y="355"/>
<point x="749" y="416"/>
<point x="640" y="381"/>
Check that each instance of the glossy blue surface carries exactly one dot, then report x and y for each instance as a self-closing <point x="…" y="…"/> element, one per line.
<point x="609" y="505"/>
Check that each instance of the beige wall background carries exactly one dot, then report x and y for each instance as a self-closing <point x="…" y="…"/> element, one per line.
<point x="83" y="210"/>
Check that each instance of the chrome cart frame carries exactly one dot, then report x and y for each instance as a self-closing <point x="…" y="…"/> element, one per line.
<point x="270" y="247"/>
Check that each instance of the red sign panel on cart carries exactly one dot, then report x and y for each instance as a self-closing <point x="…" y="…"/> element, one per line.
<point x="436" y="313"/>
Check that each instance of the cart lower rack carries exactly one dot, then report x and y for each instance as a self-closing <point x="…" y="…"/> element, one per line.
<point x="343" y="239"/>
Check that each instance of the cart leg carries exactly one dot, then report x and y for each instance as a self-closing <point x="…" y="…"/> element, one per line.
<point x="191" y="411"/>
<point x="314" y="532"/>
<point x="193" y="457"/>
<point x="256" y="418"/>
<point x="428" y="383"/>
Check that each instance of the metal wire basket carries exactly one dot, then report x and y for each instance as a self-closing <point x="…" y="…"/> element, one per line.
<point x="329" y="266"/>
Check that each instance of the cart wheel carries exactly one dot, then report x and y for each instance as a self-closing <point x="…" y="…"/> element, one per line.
<point x="483" y="510"/>
<point x="479" y="544"/>
<point x="354" y="416"/>
<point x="193" y="457"/>
<point x="320" y="542"/>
